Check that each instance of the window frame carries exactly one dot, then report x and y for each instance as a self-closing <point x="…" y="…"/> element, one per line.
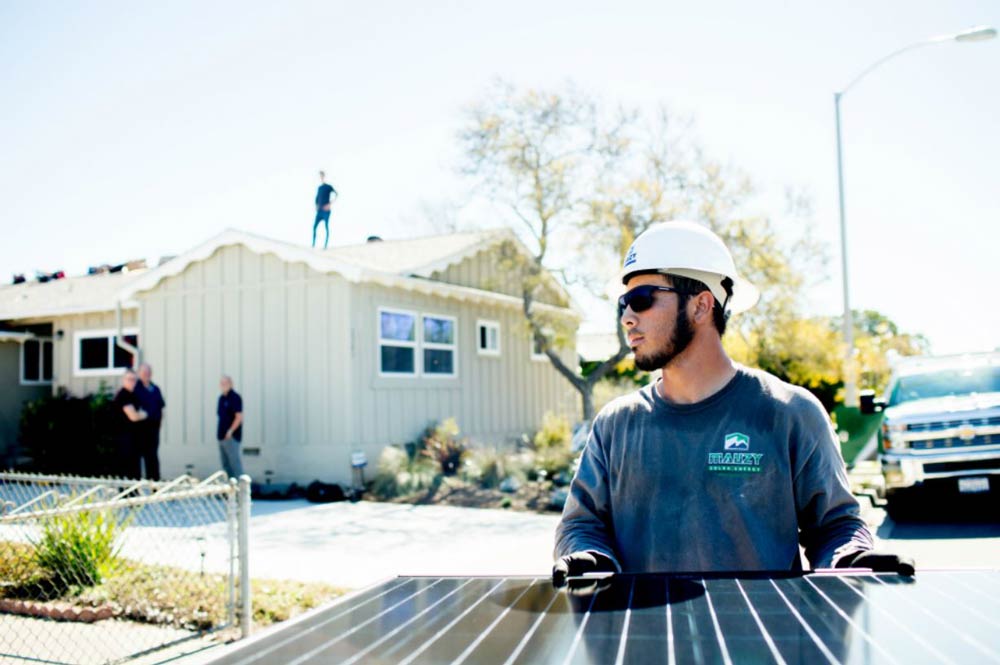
<point x="488" y="324"/>
<point x="110" y="334"/>
<point x="42" y="341"/>
<point x="437" y="346"/>
<point x="415" y="344"/>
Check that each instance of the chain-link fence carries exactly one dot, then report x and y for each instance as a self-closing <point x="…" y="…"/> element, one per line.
<point x="97" y="570"/>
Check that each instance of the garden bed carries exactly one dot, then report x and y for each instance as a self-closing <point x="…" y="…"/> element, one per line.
<point x="134" y="591"/>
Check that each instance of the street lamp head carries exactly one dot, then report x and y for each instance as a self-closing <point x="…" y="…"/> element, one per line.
<point x="979" y="33"/>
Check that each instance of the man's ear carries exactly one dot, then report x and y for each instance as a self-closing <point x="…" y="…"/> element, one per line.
<point x="703" y="304"/>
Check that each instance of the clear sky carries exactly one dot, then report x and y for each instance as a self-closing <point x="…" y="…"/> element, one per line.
<point x="141" y="129"/>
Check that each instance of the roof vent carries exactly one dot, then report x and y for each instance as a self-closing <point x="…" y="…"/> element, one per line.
<point x="374" y="239"/>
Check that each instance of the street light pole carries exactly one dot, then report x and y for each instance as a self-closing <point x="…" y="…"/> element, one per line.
<point x="976" y="34"/>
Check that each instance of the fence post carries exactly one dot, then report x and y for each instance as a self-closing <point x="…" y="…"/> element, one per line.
<point x="246" y="615"/>
<point x="232" y="516"/>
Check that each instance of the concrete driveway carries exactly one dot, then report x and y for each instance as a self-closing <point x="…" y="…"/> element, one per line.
<point x="353" y="545"/>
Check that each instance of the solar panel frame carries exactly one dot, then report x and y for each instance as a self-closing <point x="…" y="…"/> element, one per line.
<point x="727" y="618"/>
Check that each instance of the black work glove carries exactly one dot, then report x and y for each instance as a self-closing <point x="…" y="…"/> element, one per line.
<point x="878" y="562"/>
<point x="578" y="563"/>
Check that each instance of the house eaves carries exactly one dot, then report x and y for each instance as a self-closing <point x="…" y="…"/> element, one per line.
<point x="18" y="337"/>
<point x="324" y="263"/>
<point x="83" y="294"/>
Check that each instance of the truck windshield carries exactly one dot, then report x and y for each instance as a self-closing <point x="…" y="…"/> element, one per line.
<point x="947" y="382"/>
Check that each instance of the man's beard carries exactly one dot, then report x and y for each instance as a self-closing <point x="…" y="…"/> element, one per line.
<point x="679" y="340"/>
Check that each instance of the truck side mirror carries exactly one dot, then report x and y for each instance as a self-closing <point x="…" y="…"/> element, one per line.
<point x="868" y="403"/>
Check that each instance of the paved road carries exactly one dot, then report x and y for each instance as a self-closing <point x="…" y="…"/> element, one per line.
<point x="962" y="536"/>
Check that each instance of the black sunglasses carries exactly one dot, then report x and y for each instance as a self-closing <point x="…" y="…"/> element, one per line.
<point x="640" y="298"/>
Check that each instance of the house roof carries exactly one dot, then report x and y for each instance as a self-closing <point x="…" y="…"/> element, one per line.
<point x="419" y="256"/>
<point x="405" y="264"/>
<point x="402" y="264"/>
<point x="69" y="295"/>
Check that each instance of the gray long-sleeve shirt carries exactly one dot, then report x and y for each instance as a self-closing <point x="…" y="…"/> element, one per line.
<point x="734" y="482"/>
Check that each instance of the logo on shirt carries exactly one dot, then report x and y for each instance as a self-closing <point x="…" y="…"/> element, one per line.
<point x="736" y="456"/>
<point x="737" y="441"/>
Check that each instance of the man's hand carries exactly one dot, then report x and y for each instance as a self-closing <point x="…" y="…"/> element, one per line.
<point x="578" y="563"/>
<point x="878" y="562"/>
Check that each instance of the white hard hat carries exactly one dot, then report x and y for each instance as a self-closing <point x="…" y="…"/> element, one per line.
<point x="690" y="250"/>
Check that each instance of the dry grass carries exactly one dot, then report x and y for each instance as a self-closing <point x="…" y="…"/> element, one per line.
<point x="161" y="595"/>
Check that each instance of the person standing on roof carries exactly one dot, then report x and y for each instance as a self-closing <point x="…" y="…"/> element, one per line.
<point x="715" y="466"/>
<point x="323" y="205"/>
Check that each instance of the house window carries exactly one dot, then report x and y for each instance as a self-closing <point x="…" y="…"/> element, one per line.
<point x="36" y="362"/>
<point x="488" y="338"/>
<point x="397" y="340"/>
<point x="439" y="345"/>
<point x="96" y="353"/>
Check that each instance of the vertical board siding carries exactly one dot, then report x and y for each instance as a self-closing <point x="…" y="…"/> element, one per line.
<point x="302" y="348"/>
<point x="280" y="330"/>
<point x="482" y="272"/>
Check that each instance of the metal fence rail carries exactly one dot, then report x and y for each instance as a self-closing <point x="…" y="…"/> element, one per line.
<point x="100" y="570"/>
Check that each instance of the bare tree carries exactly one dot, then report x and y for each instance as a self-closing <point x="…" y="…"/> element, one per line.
<point x="575" y="175"/>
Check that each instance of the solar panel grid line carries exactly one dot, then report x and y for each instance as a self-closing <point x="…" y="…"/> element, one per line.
<point x="965" y="637"/>
<point x="296" y="636"/>
<point x="528" y="635"/>
<point x="854" y="624"/>
<point x="671" y="653"/>
<point x="579" y="633"/>
<point x="623" y="642"/>
<point x="891" y="616"/>
<point x="451" y="624"/>
<point x="489" y="629"/>
<point x="760" y="624"/>
<point x="812" y="634"/>
<point x="965" y="606"/>
<point x="387" y="636"/>
<point x="715" y="622"/>
<point x="977" y="591"/>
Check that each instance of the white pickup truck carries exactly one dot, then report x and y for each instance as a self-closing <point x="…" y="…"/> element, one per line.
<point x="940" y="427"/>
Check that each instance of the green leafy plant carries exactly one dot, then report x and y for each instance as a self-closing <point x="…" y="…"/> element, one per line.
<point x="79" y="548"/>
<point x="441" y="444"/>
<point x="488" y="466"/>
<point x="400" y="473"/>
<point x="66" y="434"/>
<point x="552" y="446"/>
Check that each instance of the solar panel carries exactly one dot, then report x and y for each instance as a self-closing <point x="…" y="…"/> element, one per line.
<point x="951" y="616"/>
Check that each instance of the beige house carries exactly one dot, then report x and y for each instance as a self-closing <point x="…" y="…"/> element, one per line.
<point x="334" y="352"/>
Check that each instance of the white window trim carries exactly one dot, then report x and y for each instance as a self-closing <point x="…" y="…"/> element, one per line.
<point x="453" y="347"/>
<point x="110" y="333"/>
<point x="41" y="342"/>
<point x="488" y="324"/>
<point x="400" y="343"/>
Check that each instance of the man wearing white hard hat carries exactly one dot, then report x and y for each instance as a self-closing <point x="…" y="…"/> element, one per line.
<point x="715" y="466"/>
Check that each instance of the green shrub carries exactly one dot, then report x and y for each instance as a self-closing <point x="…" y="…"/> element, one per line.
<point x="555" y="432"/>
<point x="72" y="435"/>
<point x="488" y="466"/>
<point x="79" y="548"/>
<point x="399" y="473"/>
<point x="552" y="446"/>
<point x="441" y="444"/>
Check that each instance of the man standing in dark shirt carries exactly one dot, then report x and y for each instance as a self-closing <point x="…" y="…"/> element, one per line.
<point x="151" y="400"/>
<point x="230" y="429"/>
<point x="323" y="208"/>
<point x="128" y="416"/>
